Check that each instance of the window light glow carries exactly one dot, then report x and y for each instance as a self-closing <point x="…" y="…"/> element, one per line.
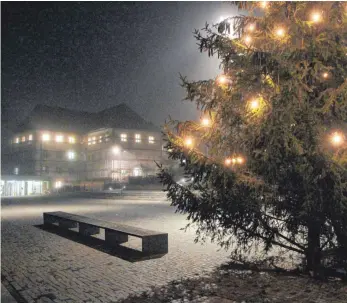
<point x="137" y="138"/>
<point x="123" y="137"/>
<point x="116" y="150"/>
<point x="72" y="140"/>
<point x="151" y="139"/>
<point x="46" y="137"/>
<point x="30" y="137"/>
<point x="58" y="184"/>
<point x="23" y="139"/>
<point x="71" y="155"/>
<point x="17" y="140"/>
<point x="59" y="138"/>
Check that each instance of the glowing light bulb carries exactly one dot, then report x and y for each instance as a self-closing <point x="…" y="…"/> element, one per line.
<point x="316" y="17"/>
<point x="205" y="122"/>
<point x="263" y="4"/>
<point x="325" y="75"/>
<point x="248" y="39"/>
<point x="188" y="142"/>
<point x="228" y="161"/>
<point x="233" y="160"/>
<point x="254" y="104"/>
<point x="251" y="27"/>
<point x="239" y="160"/>
<point x="337" y="138"/>
<point x="280" y="32"/>
<point x="222" y="79"/>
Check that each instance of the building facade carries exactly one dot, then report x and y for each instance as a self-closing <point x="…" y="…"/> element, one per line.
<point x="71" y="148"/>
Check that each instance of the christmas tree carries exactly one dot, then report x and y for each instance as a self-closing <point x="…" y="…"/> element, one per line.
<point x="268" y="160"/>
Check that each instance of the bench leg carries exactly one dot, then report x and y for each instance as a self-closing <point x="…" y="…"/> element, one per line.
<point x="88" y="230"/>
<point x="66" y="224"/>
<point x="155" y="244"/>
<point x="49" y="220"/>
<point x="115" y="237"/>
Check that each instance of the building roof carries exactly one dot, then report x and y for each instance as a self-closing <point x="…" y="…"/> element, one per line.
<point x="63" y="119"/>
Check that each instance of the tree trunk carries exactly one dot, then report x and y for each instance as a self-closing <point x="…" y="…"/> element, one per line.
<point x="313" y="252"/>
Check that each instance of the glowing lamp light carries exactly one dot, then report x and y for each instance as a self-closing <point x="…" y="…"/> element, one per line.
<point x="116" y="150"/>
<point x="280" y="32"/>
<point x="233" y="160"/>
<point x="337" y="139"/>
<point x="325" y="75"/>
<point x="222" y="79"/>
<point x="188" y="142"/>
<point x="316" y="17"/>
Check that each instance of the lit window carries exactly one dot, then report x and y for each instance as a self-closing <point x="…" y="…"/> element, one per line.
<point x="123" y="137"/>
<point x="151" y="139"/>
<point x="89" y="143"/>
<point x="100" y="137"/>
<point x="137" y="172"/>
<point x="71" y="155"/>
<point x="59" y="138"/>
<point x="72" y="140"/>
<point x="46" y="137"/>
<point x="94" y="138"/>
<point x="137" y="138"/>
<point x="23" y="139"/>
<point x="89" y="139"/>
<point x="16" y="170"/>
<point x="30" y="137"/>
<point x="17" y="140"/>
<point x="58" y="184"/>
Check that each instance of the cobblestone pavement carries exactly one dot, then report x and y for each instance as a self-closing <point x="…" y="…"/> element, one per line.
<point x="39" y="266"/>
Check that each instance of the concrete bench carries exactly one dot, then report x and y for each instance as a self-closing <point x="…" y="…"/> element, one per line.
<point x="152" y="242"/>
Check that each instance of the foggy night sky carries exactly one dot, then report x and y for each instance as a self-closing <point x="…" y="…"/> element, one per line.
<point x="93" y="55"/>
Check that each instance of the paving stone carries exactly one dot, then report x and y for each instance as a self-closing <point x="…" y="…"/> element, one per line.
<point x="72" y="272"/>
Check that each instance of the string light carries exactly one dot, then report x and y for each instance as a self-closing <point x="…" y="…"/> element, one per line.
<point x="188" y="142"/>
<point x="205" y="122"/>
<point x="263" y="4"/>
<point x="227" y="161"/>
<point x="239" y="160"/>
<point x="254" y="104"/>
<point x="337" y="139"/>
<point x="248" y="39"/>
<point x="233" y="160"/>
<point x="222" y="79"/>
<point x="316" y="17"/>
<point x="280" y="32"/>
<point x="251" y="27"/>
<point x="325" y="75"/>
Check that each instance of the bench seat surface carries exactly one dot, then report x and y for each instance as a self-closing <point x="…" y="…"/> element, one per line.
<point x="130" y="230"/>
